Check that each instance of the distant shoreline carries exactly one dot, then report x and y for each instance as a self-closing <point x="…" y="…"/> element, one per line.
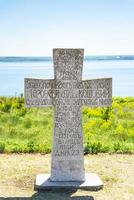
<point x="48" y="58"/>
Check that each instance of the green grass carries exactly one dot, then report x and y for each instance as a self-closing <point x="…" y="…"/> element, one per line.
<point x="30" y="130"/>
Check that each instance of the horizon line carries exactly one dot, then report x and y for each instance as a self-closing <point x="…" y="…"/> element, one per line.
<point x="41" y="56"/>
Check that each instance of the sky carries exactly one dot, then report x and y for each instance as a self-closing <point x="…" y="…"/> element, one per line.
<point x="35" y="27"/>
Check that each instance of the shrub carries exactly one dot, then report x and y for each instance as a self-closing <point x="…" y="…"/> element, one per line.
<point x="120" y="132"/>
<point x="106" y="113"/>
<point x="93" y="148"/>
<point x="31" y="146"/>
<point x="2" y="147"/>
<point x="22" y="112"/>
<point x="117" y="147"/>
<point x="17" y="149"/>
<point x="106" y="125"/>
<point x="6" y="107"/>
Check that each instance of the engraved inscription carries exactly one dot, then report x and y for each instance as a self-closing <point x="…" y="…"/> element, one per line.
<point x="68" y="93"/>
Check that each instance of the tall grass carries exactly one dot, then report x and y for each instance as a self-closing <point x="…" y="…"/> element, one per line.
<point x="30" y="130"/>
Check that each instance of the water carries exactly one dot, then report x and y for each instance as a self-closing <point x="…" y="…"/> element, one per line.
<point x="12" y="74"/>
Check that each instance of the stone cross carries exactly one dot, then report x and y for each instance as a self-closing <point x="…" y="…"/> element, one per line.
<point x="67" y="93"/>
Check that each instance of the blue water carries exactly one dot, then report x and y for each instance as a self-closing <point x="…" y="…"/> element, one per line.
<point x="12" y="74"/>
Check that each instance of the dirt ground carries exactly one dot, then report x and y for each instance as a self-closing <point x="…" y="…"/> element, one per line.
<point x="18" y="171"/>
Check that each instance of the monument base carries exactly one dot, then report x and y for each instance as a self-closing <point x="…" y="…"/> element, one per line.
<point x="92" y="183"/>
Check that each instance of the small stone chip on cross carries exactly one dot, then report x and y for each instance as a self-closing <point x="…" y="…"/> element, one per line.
<point x="67" y="92"/>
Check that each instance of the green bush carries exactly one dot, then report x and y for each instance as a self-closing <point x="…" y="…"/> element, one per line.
<point x="5" y="107"/>
<point x="96" y="147"/>
<point x="2" y="147"/>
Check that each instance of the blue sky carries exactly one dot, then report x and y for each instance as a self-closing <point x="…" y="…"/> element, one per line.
<point x="35" y="27"/>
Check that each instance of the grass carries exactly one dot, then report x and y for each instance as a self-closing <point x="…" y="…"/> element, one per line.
<point x="30" y="130"/>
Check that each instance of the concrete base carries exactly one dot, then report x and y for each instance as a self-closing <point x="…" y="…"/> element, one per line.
<point x="92" y="183"/>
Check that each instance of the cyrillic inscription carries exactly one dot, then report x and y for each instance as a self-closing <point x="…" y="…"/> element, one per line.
<point x="67" y="93"/>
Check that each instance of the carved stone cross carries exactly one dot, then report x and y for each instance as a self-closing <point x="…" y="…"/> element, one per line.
<point x="67" y="93"/>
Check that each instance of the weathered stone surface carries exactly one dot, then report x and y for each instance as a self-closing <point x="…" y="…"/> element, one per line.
<point x="92" y="183"/>
<point x="93" y="93"/>
<point x="67" y="93"/>
<point x="38" y="92"/>
<point x="67" y="155"/>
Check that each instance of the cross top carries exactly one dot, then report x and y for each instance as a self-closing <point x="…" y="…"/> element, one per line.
<point x="67" y="93"/>
<point x="68" y="64"/>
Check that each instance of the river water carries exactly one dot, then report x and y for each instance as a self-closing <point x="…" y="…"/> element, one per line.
<point x="12" y="74"/>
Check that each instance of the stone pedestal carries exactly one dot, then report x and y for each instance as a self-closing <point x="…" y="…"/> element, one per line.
<point x="92" y="183"/>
